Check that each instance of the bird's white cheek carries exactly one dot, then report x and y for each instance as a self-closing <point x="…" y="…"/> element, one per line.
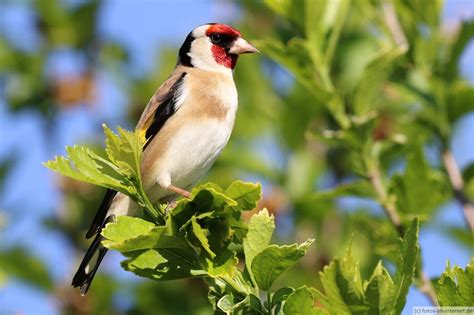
<point x="202" y="58"/>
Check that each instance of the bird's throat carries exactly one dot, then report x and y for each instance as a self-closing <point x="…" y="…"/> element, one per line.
<point x="224" y="58"/>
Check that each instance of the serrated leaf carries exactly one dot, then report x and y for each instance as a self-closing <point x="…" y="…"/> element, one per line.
<point x="204" y="198"/>
<point x="342" y="284"/>
<point x="201" y="235"/>
<point x="455" y="287"/>
<point x="245" y="194"/>
<point x="405" y="266"/>
<point x="260" y="230"/>
<point x="223" y="265"/>
<point x="378" y="291"/>
<point x="344" y="293"/>
<point x="274" y="260"/>
<point x="124" y="150"/>
<point x="301" y="302"/>
<point x="414" y="198"/>
<point x="148" y="259"/>
<point x="84" y="165"/>
<point x="129" y="234"/>
<point x="126" y="227"/>
<point x="120" y="171"/>
<point x="163" y="264"/>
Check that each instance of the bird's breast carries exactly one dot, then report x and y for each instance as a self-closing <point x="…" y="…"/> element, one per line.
<point x="191" y="140"/>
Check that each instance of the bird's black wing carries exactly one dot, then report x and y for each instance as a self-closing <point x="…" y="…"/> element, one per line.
<point x="160" y="108"/>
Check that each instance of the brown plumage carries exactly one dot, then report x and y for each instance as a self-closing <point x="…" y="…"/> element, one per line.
<point x="186" y="124"/>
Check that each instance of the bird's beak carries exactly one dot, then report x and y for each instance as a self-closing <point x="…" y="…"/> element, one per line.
<point x="241" y="46"/>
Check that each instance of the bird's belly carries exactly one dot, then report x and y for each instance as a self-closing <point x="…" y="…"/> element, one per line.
<point x="191" y="153"/>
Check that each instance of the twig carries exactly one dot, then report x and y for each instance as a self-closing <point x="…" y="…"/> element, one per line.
<point x="425" y="286"/>
<point x="457" y="184"/>
<point x="387" y="205"/>
<point x="394" y="26"/>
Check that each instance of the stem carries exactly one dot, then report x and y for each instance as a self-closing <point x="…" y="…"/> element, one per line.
<point x="235" y="285"/>
<point x="396" y="30"/>
<point x="457" y="184"/>
<point x="426" y="287"/>
<point x="269" y="300"/>
<point x="387" y="204"/>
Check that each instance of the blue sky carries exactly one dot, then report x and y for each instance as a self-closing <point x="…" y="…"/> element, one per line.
<point x="143" y="26"/>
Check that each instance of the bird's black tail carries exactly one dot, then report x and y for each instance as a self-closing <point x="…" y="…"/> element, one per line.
<point x="89" y="265"/>
<point x="96" y="252"/>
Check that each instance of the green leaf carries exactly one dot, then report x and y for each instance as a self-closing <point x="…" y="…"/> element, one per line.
<point x="84" y="165"/>
<point x="206" y="198"/>
<point x="119" y="171"/>
<point x="201" y="235"/>
<point x="289" y="9"/>
<point x="124" y="150"/>
<point x="163" y="264"/>
<point x="224" y="265"/>
<point x="18" y="263"/>
<point x="226" y="303"/>
<point x="461" y="235"/>
<point x="367" y="93"/>
<point x="260" y="230"/>
<point x="378" y="291"/>
<point x="130" y="234"/>
<point x="245" y="194"/>
<point x="460" y="100"/>
<point x="359" y="188"/>
<point x="274" y="260"/>
<point x="125" y="228"/>
<point x="420" y="189"/>
<point x="405" y="266"/>
<point x="345" y="294"/>
<point x="281" y="294"/>
<point x="464" y="37"/>
<point x="343" y="288"/>
<point x="301" y="302"/>
<point x="148" y="259"/>
<point x="455" y="287"/>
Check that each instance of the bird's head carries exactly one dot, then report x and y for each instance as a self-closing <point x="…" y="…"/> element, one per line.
<point x="213" y="47"/>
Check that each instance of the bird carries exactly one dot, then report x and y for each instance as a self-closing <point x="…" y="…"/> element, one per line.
<point x="186" y="124"/>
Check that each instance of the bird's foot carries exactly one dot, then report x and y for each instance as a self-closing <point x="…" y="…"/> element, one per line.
<point x="179" y="191"/>
<point x="170" y="206"/>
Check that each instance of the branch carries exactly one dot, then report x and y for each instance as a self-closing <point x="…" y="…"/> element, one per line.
<point x="425" y="286"/>
<point x="394" y="26"/>
<point x="387" y="205"/>
<point x="457" y="184"/>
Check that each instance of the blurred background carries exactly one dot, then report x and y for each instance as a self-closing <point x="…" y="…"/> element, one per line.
<point x="68" y="66"/>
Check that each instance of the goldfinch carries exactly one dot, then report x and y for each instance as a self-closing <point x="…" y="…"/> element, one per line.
<point x="186" y="124"/>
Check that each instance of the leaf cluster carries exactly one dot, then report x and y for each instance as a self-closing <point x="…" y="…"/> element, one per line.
<point x="203" y="236"/>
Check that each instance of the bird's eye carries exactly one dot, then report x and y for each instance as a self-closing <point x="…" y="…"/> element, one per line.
<point x="216" y="38"/>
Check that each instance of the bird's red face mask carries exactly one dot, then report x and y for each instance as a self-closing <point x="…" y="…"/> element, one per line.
<point x="227" y="44"/>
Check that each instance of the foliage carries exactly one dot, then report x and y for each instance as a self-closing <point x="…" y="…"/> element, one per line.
<point x="346" y="118"/>
<point x="346" y="294"/>
<point x="120" y="170"/>
<point x="455" y="287"/>
<point x="200" y="237"/>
